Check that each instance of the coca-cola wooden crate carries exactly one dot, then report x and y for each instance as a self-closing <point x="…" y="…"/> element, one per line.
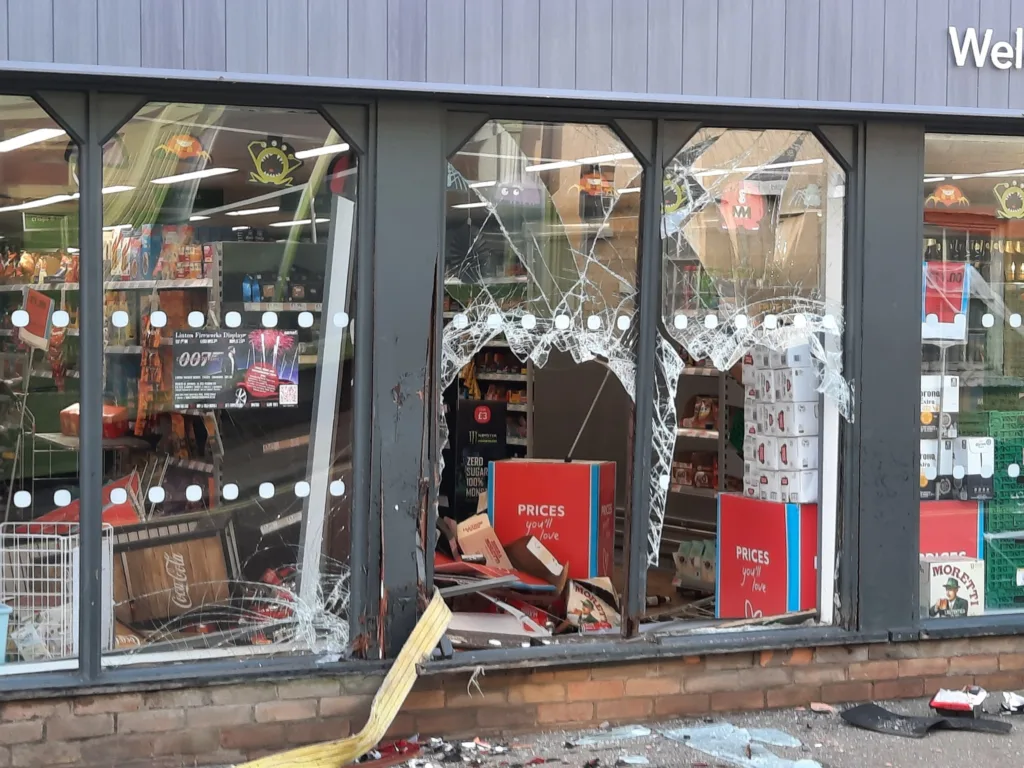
<point x="169" y="567"/>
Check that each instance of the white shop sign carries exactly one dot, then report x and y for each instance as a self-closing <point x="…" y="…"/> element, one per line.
<point x="981" y="48"/>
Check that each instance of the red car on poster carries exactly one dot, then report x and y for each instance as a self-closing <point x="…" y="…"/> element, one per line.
<point x="260" y="382"/>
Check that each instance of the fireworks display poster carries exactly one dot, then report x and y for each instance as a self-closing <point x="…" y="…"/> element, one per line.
<point x="235" y="369"/>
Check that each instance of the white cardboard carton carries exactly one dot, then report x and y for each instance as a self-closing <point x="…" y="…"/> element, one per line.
<point x="797" y="453"/>
<point x="749" y="417"/>
<point x="974" y="465"/>
<point x="929" y="469"/>
<point x="952" y="587"/>
<point x="794" y="357"/>
<point x="765" y="418"/>
<point x="750" y="487"/>
<point x="768" y="486"/>
<point x="798" y="487"/>
<point x="766" y="453"/>
<point x="761" y="358"/>
<point x="797" y="419"/>
<point x="796" y="385"/>
<point x="940" y="406"/>
<point x="766" y="386"/>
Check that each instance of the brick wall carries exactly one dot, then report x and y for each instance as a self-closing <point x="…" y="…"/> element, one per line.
<point x="230" y="723"/>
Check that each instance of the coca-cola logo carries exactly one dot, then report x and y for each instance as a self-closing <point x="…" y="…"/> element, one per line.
<point x="174" y="566"/>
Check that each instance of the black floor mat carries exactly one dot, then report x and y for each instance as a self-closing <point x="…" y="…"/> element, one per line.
<point x="872" y="717"/>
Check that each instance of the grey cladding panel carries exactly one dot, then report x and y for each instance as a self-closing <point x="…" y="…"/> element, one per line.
<point x="664" y="46"/>
<point x="899" y="70"/>
<point x="1016" y="96"/>
<point x="802" y="26"/>
<point x="246" y="43"/>
<point x="962" y="82"/>
<point x="446" y="41"/>
<point x="368" y="40"/>
<point x="205" y="35"/>
<point x="700" y="48"/>
<point x="932" y="23"/>
<point x="163" y="34"/>
<point x="328" y="38"/>
<point x="483" y="42"/>
<point x="593" y="44"/>
<point x="287" y="44"/>
<point x="835" y="49"/>
<point x="407" y="43"/>
<point x="74" y="31"/>
<point x="120" y="32"/>
<point x="557" y="44"/>
<point x="520" y="43"/>
<point x="30" y="30"/>
<point x="768" y="50"/>
<point x="735" y="27"/>
<point x="994" y="84"/>
<point x="867" y="69"/>
<point x="629" y="45"/>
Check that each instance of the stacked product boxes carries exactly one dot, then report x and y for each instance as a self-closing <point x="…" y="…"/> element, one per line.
<point x="782" y="421"/>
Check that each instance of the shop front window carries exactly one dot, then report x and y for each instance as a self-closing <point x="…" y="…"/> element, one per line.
<point x="228" y="298"/>
<point x="39" y="384"/>
<point x="972" y="376"/>
<point x="750" y="379"/>
<point x="538" y="368"/>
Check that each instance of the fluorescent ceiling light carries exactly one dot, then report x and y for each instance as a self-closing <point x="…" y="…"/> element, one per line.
<point x="330" y="149"/>
<point x="238" y="229"/>
<point x="32" y="137"/>
<point x="989" y="175"/>
<point x="482" y="184"/>
<point x="254" y="211"/>
<point x="39" y="203"/>
<point x="116" y="227"/>
<point x="605" y="158"/>
<point x="206" y="172"/>
<point x="297" y="223"/>
<point x="551" y="166"/>
<point x="72" y="250"/>
<point x="117" y="188"/>
<point x="471" y="205"/>
<point x="627" y="190"/>
<point x="197" y="217"/>
<point x="753" y="168"/>
<point x="931" y="179"/>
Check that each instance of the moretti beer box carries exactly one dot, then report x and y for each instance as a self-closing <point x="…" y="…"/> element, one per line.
<point x="952" y="587"/>
<point x="767" y="553"/>
<point x="568" y="506"/>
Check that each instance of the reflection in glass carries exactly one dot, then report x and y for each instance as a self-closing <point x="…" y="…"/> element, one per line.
<point x="228" y="234"/>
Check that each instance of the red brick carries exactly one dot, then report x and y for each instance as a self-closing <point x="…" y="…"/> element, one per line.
<point x="623" y="709"/>
<point x="623" y="671"/>
<point x="729" y="661"/>
<point x="874" y="670"/>
<point x="103" y="705"/>
<point x="524" y="716"/>
<point x="653" y="686"/>
<point x="195" y="741"/>
<point x="560" y="676"/>
<point x="1000" y="681"/>
<point x="816" y="674"/>
<point x="536" y="694"/>
<point x="933" y="684"/>
<point x="1011" y="661"/>
<point x="475" y="699"/>
<point x="684" y="665"/>
<point x="365" y="684"/>
<point x="21" y="733"/>
<point x="793" y="658"/>
<point x="766" y="677"/>
<point x="576" y="712"/>
<point x="800" y="656"/>
<point x="424" y="700"/>
<point x="686" y="704"/>
<point x="990" y="645"/>
<point x="711" y="682"/>
<point x="277" y="711"/>
<point x="250" y="737"/>
<point x="308" y="689"/>
<point x="81" y="727"/>
<point x="217" y="717"/>
<point x="904" y="688"/>
<point x="923" y="667"/>
<point x="445" y="723"/>
<point x="192" y="697"/>
<point x="840" y="693"/>
<point x="31" y="710"/>
<point x="792" y="696"/>
<point x="973" y="665"/>
<point x="243" y="694"/>
<point x="151" y="721"/>
<point x="839" y="654"/>
<point x="596" y="690"/>
<point x="401" y="726"/>
<point x="316" y="731"/>
<point x="55" y="753"/>
<point x="736" y="701"/>
<point x="343" y="706"/>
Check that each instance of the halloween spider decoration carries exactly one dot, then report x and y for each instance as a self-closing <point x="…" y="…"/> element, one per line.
<point x="947" y="196"/>
<point x="274" y="161"/>
<point x="184" y="147"/>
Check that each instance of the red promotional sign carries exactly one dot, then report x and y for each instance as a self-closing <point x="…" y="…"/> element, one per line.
<point x="742" y="206"/>
<point x="951" y="529"/>
<point x="568" y="507"/>
<point x="766" y="557"/>
<point x="36" y="333"/>
<point x="945" y="283"/>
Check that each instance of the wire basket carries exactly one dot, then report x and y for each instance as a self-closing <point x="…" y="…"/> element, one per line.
<point x="40" y="567"/>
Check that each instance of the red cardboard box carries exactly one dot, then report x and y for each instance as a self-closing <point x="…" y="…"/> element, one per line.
<point x="952" y="529"/>
<point x="767" y="555"/>
<point x="568" y="507"/>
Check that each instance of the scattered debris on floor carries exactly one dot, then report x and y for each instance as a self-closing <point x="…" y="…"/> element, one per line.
<point x="872" y="717"/>
<point x="963" y="703"/>
<point x="1013" y="703"/>
<point x="602" y="737"/>
<point x="740" y="747"/>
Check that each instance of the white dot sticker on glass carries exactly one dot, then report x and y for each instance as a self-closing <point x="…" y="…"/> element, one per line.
<point x="61" y="319"/>
<point x="930" y="473"/>
<point x="22" y="499"/>
<point x="958" y="320"/>
<point x="119" y="318"/>
<point x="157" y="495"/>
<point x="771" y="322"/>
<point x="529" y="322"/>
<point x="958" y="472"/>
<point x="158" y="319"/>
<point x="623" y="322"/>
<point x="341" y="319"/>
<point x="594" y="323"/>
<point x="561" y="322"/>
<point x="679" y="321"/>
<point x="233" y="319"/>
<point x="193" y="493"/>
<point x="337" y="488"/>
<point x="305" y="319"/>
<point x="196" y="319"/>
<point x="799" y="321"/>
<point x="230" y="492"/>
<point x="62" y="497"/>
<point x="118" y="496"/>
<point x="494" y="320"/>
<point x="1015" y="320"/>
<point x="1013" y="470"/>
<point x="740" y="321"/>
<point x="988" y="320"/>
<point x="266" y="490"/>
<point x="269" y="319"/>
<point x="830" y="324"/>
<point x="711" y="321"/>
<point x="302" y="489"/>
<point x="460" y="321"/>
<point x="663" y="482"/>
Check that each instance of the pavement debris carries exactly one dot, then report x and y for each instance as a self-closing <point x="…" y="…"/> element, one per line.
<point x="740" y="747"/>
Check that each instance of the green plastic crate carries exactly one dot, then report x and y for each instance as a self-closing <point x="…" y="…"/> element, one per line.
<point x="1003" y="559"/>
<point x="1003" y="516"/>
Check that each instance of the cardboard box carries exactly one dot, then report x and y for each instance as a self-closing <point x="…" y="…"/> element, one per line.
<point x="768" y="486"/>
<point x="761" y="358"/>
<point x="798" y="356"/>
<point x="751" y="489"/>
<point x="750" y="448"/>
<point x="946" y="487"/>
<point x="476" y="537"/>
<point x="797" y="453"/>
<point x="974" y="467"/>
<point x="115" y="421"/>
<point x="766" y="386"/>
<point x="796" y="385"/>
<point x="798" y="487"/>
<point x="797" y="419"/>
<point x="765" y="418"/>
<point x="530" y="556"/>
<point x="952" y="587"/>
<point x="929" y="469"/>
<point x="940" y="407"/>
<point x="766" y="453"/>
<point x="749" y="372"/>
<point x="767" y="555"/>
<point x="568" y="507"/>
<point x="750" y="426"/>
<point x="592" y="605"/>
